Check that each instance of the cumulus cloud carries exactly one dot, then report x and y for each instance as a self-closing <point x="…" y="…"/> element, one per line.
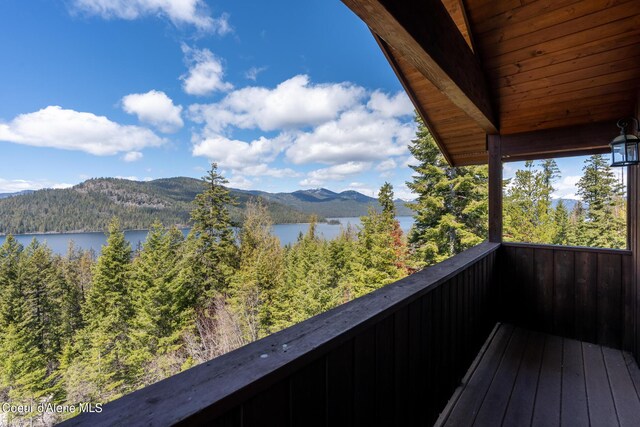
<point x="394" y="106"/>
<point x="252" y="73"/>
<point x="566" y="188"/>
<point x="362" y="188"/>
<point x="240" y="182"/>
<point x="386" y="165"/>
<point x="56" y="127"/>
<point x="206" y="72"/>
<point x="357" y="135"/>
<point x="179" y="12"/>
<point x="247" y="158"/>
<point x="132" y="156"/>
<point x="15" y="185"/>
<point x="294" y="103"/>
<point x="155" y="108"/>
<point x="334" y="173"/>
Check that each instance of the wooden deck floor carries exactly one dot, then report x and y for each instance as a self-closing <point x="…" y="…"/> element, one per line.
<point x="525" y="378"/>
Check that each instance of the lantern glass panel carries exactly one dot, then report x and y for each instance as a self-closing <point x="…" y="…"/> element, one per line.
<point x="632" y="153"/>
<point x="618" y="153"/>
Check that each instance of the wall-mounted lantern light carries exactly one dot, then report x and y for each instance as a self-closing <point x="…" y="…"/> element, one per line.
<point x="624" y="148"/>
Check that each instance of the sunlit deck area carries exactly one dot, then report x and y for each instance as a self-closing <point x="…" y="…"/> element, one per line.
<point x="523" y="378"/>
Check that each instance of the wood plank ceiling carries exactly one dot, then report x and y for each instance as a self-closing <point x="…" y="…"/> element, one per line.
<point x="548" y="64"/>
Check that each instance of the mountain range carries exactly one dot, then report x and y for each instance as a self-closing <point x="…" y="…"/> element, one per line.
<point x="90" y="205"/>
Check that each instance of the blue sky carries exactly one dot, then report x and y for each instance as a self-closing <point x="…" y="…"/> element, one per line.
<point x="283" y="95"/>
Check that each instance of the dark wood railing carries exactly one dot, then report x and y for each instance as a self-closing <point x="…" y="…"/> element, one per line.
<point x="575" y="292"/>
<point x="393" y="357"/>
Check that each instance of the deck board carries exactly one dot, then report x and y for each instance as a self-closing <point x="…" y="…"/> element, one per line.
<point x="530" y="378"/>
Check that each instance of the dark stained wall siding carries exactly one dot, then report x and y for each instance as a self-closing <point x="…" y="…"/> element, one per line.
<point x="579" y="293"/>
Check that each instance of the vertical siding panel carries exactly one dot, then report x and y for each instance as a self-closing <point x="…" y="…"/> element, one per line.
<point x="385" y="371"/>
<point x="628" y="303"/>
<point x="429" y="325"/>
<point x="609" y="300"/>
<point x="564" y="293"/>
<point x="402" y="373"/>
<point x="364" y="378"/>
<point x="268" y="409"/>
<point x="308" y="395"/>
<point x="586" y="271"/>
<point x="543" y="290"/>
<point x="415" y="405"/>
<point x="525" y="287"/>
<point x="340" y="390"/>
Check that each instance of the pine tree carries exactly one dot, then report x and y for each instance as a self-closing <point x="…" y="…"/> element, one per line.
<point x="308" y="289"/>
<point x="213" y="254"/>
<point x="561" y="225"/>
<point x="260" y="275"/>
<point x="10" y="290"/>
<point x="451" y="208"/>
<point x="157" y="322"/>
<point x="104" y="344"/>
<point x="605" y="223"/>
<point x="528" y="211"/>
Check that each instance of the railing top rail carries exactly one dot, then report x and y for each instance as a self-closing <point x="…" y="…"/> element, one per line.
<point x="567" y="248"/>
<point x="218" y="385"/>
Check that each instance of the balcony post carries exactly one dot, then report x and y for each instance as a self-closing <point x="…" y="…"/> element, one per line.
<point x="495" y="188"/>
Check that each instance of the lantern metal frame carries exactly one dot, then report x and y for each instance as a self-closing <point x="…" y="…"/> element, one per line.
<point x="624" y="147"/>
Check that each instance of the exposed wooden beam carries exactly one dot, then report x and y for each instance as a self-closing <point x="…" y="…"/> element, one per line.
<point x="412" y="96"/>
<point x="495" y="188"/>
<point x="559" y="142"/>
<point x="426" y="36"/>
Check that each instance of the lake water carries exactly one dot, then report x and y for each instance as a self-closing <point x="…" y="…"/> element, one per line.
<point x="287" y="233"/>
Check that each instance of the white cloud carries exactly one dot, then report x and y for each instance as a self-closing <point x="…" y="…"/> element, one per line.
<point x="294" y="103"/>
<point x="237" y="154"/>
<point x="335" y="173"/>
<point x="155" y="108"/>
<point x="566" y="188"/>
<point x="240" y="182"/>
<point x="403" y="192"/>
<point x="129" y="178"/>
<point x="15" y="185"/>
<point x="252" y="73"/>
<point x="357" y="135"/>
<point x="391" y="106"/>
<point x="56" y="127"/>
<point x="132" y="156"/>
<point x="386" y="165"/>
<point x="179" y="12"/>
<point x="362" y="188"/>
<point x="206" y="72"/>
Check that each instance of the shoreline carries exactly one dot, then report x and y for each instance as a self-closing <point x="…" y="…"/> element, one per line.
<point x="180" y="227"/>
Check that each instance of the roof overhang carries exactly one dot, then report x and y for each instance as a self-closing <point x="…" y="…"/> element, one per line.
<point x="535" y="72"/>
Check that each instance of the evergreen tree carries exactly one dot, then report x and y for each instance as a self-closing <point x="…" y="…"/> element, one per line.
<point x="605" y="223"/>
<point x="528" y="212"/>
<point x="104" y="345"/>
<point x="308" y="289"/>
<point x="451" y="208"/>
<point x="260" y="275"/>
<point x="10" y="289"/>
<point x="157" y="322"/>
<point x="562" y="225"/>
<point x="212" y="256"/>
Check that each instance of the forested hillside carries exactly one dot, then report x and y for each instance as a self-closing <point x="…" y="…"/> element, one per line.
<point x="89" y="206"/>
